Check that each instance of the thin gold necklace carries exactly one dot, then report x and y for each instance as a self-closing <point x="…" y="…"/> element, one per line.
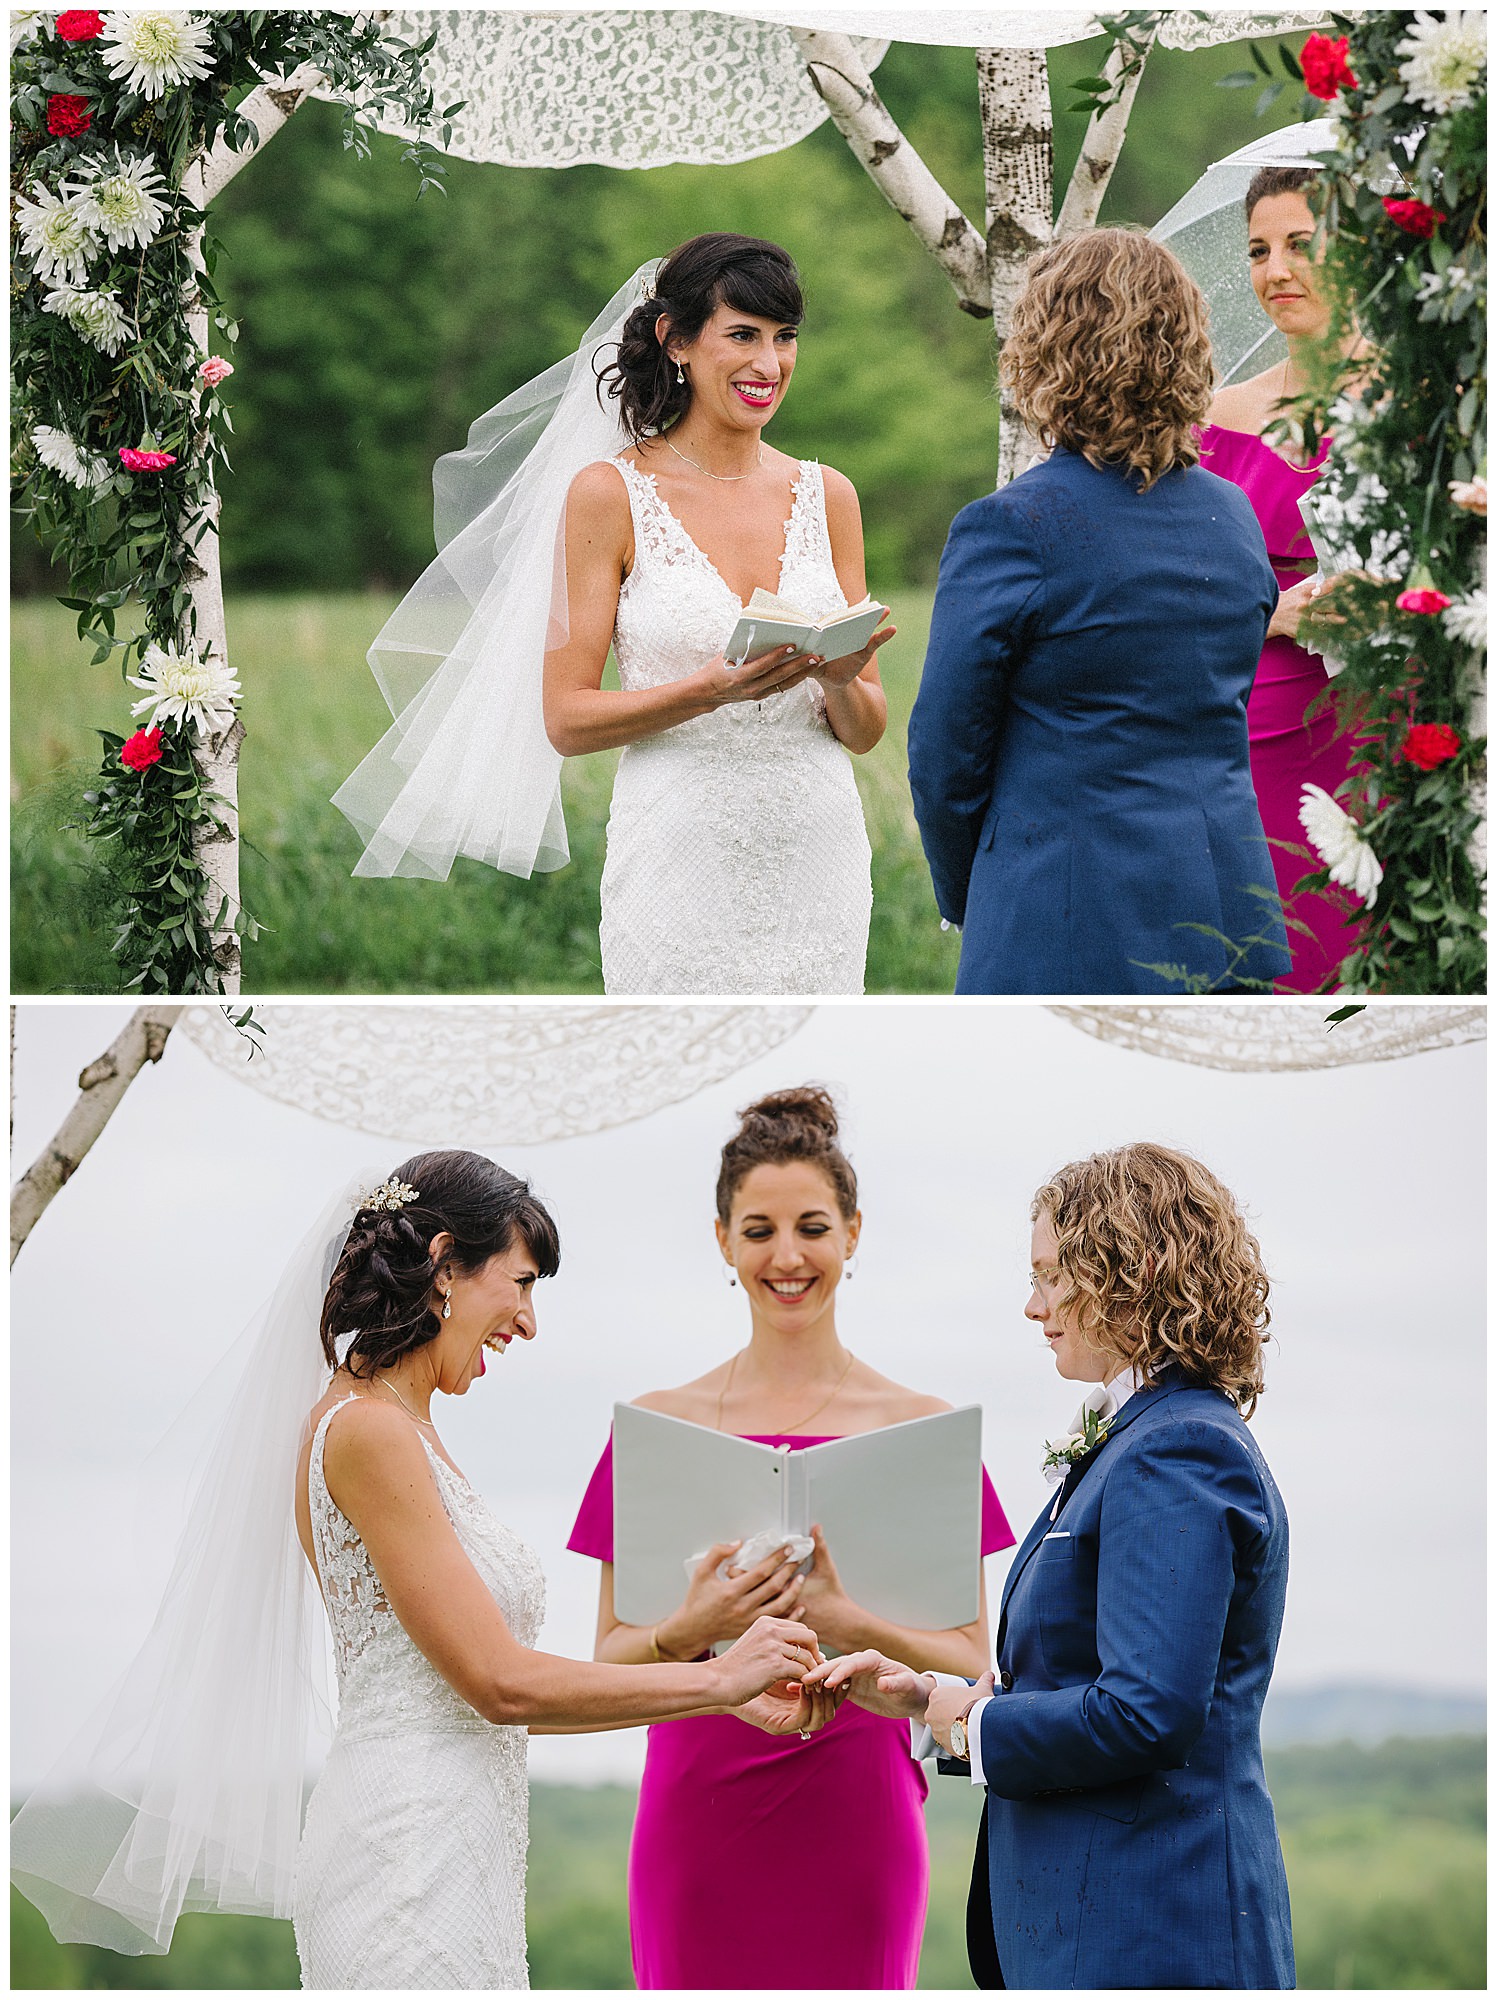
<point x="784" y="1430"/>
<point x="723" y="478"/>
<point x="380" y="1383"/>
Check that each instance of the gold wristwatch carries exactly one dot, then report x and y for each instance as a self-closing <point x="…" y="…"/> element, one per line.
<point x="959" y="1748"/>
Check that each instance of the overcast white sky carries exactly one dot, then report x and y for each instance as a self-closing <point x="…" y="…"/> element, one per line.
<point x="1365" y="1185"/>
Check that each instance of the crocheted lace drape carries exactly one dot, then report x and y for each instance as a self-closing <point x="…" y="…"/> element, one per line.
<point x="637" y="87"/>
<point x="490" y="1075"/>
<point x="1279" y="1034"/>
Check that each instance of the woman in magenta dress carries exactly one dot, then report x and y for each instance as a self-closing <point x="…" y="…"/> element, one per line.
<point x="747" y="1866"/>
<point x="1296" y="735"/>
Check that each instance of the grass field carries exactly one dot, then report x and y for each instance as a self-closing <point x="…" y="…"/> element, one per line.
<point x="312" y="710"/>
<point x="1385" y="1848"/>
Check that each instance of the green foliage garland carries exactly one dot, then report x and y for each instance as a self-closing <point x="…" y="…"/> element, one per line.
<point x="98" y="384"/>
<point x="1404" y="431"/>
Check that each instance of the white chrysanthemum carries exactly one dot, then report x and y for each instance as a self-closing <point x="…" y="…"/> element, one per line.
<point x="181" y="686"/>
<point x="1337" y="839"/>
<point x="63" y="455"/>
<point x="96" y="317"/>
<point x="24" y="22"/>
<point x="1447" y="57"/>
<point x="1466" y="620"/>
<point x="58" y="236"/>
<point x="125" y="200"/>
<point x="150" y="52"/>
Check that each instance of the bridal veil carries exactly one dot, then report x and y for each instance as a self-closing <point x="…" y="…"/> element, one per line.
<point x="184" y="1791"/>
<point x="466" y="767"/>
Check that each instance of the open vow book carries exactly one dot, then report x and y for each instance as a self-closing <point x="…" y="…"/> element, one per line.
<point x="901" y="1510"/>
<point x="768" y="621"/>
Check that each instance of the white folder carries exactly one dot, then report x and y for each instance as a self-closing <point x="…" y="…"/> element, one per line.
<point x="901" y="1510"/>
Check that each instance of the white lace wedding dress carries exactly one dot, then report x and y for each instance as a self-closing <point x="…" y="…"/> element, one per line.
<point x="411" y="1871"/>
<point x="737" y="861"/>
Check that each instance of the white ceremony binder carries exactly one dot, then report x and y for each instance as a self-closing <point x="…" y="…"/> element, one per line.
<point x="901" y="1509"/>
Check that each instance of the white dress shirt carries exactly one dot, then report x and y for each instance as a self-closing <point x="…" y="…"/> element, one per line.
<point x="1118" y="1390"/>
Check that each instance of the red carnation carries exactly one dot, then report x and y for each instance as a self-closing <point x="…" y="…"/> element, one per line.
<point x="68" y="117"/>
<point x="1425" y="601"/>
<point x="1430" y="743"/>
<point x="80" y="24"/>
<point x="145" y="461"/>
<point x="1325" y="67"/>
<point x="142" y="750"/>
<point x="1417" y="217"/>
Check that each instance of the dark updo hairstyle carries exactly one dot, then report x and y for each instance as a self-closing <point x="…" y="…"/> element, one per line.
<point x="1275" y="180"/>
<point x="788" y="1125"/>
<point x="381" y="1288"/>
<point x="744" y="272"/>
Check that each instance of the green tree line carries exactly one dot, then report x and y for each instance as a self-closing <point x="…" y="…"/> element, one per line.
<point x="375" y="327"/>
<point x="1385" y="1850"/>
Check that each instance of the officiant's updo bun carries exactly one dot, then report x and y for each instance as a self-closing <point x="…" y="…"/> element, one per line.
<point x="786" y="1126"/>
<point x="744" y="272"/>
<point x="383" y="1284"/>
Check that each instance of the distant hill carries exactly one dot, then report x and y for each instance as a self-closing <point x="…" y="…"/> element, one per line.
<point x="1368" y="1713"/>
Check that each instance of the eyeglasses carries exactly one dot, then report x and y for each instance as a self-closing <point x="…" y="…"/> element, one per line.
<point x="1047" y="1283"/>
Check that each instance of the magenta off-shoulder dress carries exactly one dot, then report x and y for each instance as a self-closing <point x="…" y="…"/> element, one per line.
<point x="763" y="1861"/>
<point x="1287" y="749"/>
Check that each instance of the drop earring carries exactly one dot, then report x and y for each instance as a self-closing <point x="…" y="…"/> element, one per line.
<point x="850" y="1268"/>
<point x="446" y="1305"/>
<point x="730" y="1274"/>
<point x="680" y="373"/>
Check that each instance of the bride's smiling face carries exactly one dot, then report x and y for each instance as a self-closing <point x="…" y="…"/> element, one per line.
<point x="491" y="1307"/>
<point x="739" y="366"/>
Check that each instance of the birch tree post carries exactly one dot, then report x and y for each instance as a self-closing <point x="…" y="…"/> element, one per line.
<point x="1018" y="165"/>
<point x="100" y="1089"/>
<point x="203" y="625"/>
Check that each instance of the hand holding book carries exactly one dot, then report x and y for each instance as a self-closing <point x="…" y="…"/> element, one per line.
<point x="768" y="621"/>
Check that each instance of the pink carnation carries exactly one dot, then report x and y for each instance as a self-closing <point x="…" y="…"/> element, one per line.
<point x="1426" y="601"/>
<point x="215" y="370"/>
<point x="145" y="461"/>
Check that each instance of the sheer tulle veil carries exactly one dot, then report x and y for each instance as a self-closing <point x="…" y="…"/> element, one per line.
<point x="184" y="1791"/>
<point x="466" y="767"/>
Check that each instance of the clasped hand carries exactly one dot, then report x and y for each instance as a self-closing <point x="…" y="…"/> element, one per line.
<point x="888" y="1687"/>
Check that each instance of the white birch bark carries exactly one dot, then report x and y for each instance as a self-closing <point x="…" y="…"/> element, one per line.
<point x="1018" y="157"/>
<point x="203" y="628"/>
<point x="842" y="82"/>
<point x="1102" y="143"/>
<point x="100" y="1087"/>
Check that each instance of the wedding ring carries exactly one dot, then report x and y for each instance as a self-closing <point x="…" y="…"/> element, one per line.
<point x="805" y="1736"/>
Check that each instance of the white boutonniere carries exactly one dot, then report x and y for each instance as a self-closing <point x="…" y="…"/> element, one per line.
<point x="1061" y="1453"/>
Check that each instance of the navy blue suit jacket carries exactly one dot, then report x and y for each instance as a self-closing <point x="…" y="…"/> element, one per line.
<point x="1130" y="1836"/>
<point x="1079" y="746"/>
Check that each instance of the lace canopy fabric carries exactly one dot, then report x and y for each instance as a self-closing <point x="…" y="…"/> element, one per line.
<point x="490" y="1075"/>
<point x="1282" y="1035"/>
<point x="621" y="87"/>
<point x="641" y="87"/>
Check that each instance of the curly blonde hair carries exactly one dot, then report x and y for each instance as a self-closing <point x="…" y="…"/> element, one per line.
<point x="1160" y="1264"/>
<point x="1109" y="353"/>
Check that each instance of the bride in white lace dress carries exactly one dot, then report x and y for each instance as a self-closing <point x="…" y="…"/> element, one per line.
<point x="410" y="1869"/>
<point x="738" y="861"/>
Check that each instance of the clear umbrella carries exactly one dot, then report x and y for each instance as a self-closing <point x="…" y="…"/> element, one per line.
<point x="1208" y="233"/>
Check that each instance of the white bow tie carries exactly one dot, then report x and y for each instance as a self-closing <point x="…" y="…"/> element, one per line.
<point x="1098" y="1398"/>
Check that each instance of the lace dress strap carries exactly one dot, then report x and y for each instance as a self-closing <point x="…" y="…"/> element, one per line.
<point x="658" y="535"/>
<point x="807" y="538"/>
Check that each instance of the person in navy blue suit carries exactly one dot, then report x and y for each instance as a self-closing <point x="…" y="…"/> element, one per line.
<point x="1079" y="747"/>
<point x="1128" y="1839"/>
